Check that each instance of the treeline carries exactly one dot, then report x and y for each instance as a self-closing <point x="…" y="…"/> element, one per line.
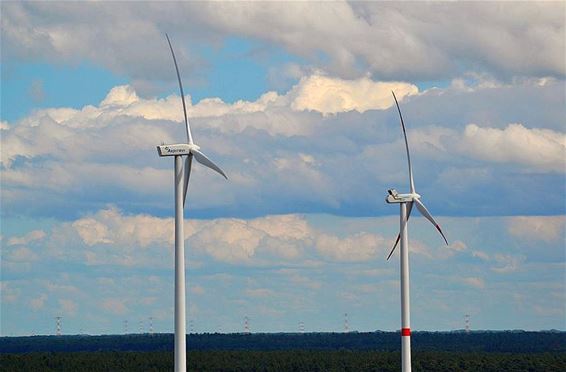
<point x="516" y="341"/>
<point x="283" y="360"/>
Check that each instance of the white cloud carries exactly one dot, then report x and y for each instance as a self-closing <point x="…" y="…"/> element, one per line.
<point x="545" y="228"/>
<point x="22" y="254"/>
<point x="68" y="307"/>
<point x="540" y="148"/>
<point x="114" y="305"/>
<point x="39" y="302"/>
<point x="359" y="247"/>
<point x="279" y="160"/>
<point x="481" y="255"/>
<point x="91" y="231"/>
<point x="331" y="95"/>
<point x="111" y="226"/>
<point x="28" y="238"/>
<point x="458" y="245"/>
<point x="507" y="263"/>
<point x="474" y="282"/>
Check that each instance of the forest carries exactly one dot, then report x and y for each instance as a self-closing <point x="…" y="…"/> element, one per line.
<point x="371" y="351"/>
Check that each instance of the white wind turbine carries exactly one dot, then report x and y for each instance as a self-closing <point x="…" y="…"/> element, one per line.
<point x="182" y="175"/>
<point x="406" y="202"/>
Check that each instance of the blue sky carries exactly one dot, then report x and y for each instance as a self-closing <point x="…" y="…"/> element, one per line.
<point x="293" y="101"/>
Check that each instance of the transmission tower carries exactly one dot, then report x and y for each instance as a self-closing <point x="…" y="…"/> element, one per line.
<point x="58" y="325"/>
<point x="467" y="322"/>
<point x="150" y="325"/>
<point x="301" y="327"/>
<point x="346" y="324"/>
<point x="246" y="325"/>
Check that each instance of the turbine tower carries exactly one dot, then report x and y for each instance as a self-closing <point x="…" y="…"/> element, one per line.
<point x="406" y="202"/>
<point x="182" y="173"/>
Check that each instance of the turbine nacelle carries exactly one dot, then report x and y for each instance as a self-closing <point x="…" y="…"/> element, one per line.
<point x="395" y="197"/>
<point x="177" y="149"/>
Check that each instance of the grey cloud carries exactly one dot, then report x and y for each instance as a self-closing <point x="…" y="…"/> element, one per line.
<point x="419" y="41"/>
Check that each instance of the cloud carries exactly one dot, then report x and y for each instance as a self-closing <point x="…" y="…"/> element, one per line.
<point x="538" y="148"/>
<point x="507" y="263"/>
<point x="240" y="241"/>
<point x="280" y="160"/>
<point x="112" y="226"/>
<point x="481" y="255"/>
<point x="68" y="307"/>
<point x="114" y="305"/>
<point x="359" y="247"/>
<point x="344" y="38"/>
<point x="28" y="238"/>
<point x="331" y="95"/>
<point x="22" y="254"/>
<point x="10" y="294"/>
<point x="474" y="282"/>
<point x="545" y="228"/>
<point x="39" y="302"/>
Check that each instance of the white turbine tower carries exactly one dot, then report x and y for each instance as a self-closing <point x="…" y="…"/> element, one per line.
<point x="406" y="202"/>
<point x="182" y="175"/>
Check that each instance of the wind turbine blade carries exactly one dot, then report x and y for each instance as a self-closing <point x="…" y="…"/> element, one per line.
<point x="409" y="209"/>
<point x="428" y="216"/>
<point x="188" y="128"/>
<point x="187" y="174"/>
<point x="411" y="182"/>
<point x="201" y="158"/>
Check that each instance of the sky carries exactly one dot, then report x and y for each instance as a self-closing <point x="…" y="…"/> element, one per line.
<point x="293" y="101"/>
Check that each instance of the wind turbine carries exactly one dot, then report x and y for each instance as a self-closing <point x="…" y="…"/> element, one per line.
<point x="406" y="202"/>
<point x="182" y="175"/>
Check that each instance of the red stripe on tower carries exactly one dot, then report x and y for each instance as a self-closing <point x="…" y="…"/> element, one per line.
<point x="405" y="331"/>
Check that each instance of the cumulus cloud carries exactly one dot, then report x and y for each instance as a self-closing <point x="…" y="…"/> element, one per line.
<point x="331" y="95"/>
<point x="538" y="148"/>
<point x="545" y="228"/>
<point x="241" y="241"/>
<point x="112" y="226"/>
<point x="26" y="239"/>
<point x="359" y="247"/>
<point x="278" y="159"/>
